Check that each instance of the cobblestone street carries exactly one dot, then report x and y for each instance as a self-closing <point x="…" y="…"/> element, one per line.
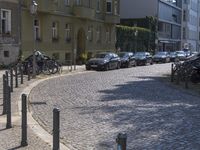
<point x="96" y="106"/>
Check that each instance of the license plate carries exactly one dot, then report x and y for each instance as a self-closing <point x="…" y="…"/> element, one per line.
<point x="94" y="66"/>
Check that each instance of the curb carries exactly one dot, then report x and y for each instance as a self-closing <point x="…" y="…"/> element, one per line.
<point x="32" y="123"/>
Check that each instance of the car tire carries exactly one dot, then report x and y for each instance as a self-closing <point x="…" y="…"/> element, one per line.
<point x="151" y="62"/>
<point x="106" y="67"/>
<point x="88" y="68"/>
<point x="128" y="64"/>
<point x="118" y="65"/>
<point x="135" y="64"/>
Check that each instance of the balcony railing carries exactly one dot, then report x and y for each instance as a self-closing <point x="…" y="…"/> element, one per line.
<point x="43" y="5"/>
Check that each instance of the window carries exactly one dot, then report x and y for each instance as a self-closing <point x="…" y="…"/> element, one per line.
<point x="68" y="58"/>
<point x="67" y="2"/>
<point x="36" y="29"/>
<point x="54" y="31"/>
<point x="6" y="53"/>
<point x="56" y="56"/>
<point x="78" y="2"/>
<point x="88" y="3"/>
<point x="68" y="32"/>
<point x="109" y="6"/>
<point x="98" y="34"/>
<point x="98" y="5"/>
<point x="5" y="21"/>
<point x="90" y="33"/>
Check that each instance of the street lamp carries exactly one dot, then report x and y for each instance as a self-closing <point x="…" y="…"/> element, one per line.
<point x="33" y="11"/>
<point x="136" y="34"/>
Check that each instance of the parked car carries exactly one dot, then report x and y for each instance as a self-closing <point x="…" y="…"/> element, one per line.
<point x="161" y="57"/>
<point x="143" y="58"/>
<point x="173" y="57"/>
<point x="127" y="59"/>
<point x="187" y="53"/>
<point x="104" y="61"/>
<point x="181" y="55"/>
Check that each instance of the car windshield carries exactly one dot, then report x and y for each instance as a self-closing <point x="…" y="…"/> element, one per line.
<point x="140" y="54"/>
<point x="172" y="53"/>
<point x="161" y="53"/>
<point x="102" y="55"/>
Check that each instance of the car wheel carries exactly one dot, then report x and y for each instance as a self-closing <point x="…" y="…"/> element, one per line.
<point x="134" y="64"/>
<point x="88" y="68"/>
<point x="118" y="65"/>
<point x="128" y="64"/>
<point x="106" y="67"/>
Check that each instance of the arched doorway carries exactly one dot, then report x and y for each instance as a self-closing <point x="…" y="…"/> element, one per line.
<point x="81" y="39"/>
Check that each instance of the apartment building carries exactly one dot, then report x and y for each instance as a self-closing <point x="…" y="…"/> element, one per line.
<point x="9" y="31"/>
<point x="65" y="29"/>
<point x="191" y="25"/>
<point x="168" y="14"/>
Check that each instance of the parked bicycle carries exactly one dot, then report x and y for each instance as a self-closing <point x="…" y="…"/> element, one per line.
<point x="44" y="64"/>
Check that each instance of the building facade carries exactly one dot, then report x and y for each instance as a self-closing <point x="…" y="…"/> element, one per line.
<point x="169" y="17"/>
<point x="9" y="31"/>
<point x="191" y="25"/>
<point x="67" y="29"/>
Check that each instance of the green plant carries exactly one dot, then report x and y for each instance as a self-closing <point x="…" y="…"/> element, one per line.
<point x="83" y="57"/>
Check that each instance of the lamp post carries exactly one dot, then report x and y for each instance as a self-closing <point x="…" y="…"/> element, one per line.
<point x="33" y="11"/>
<point x="136" y="34"/>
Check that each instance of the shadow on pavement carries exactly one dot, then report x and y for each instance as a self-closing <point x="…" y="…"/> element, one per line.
<point x="154" y="115"/>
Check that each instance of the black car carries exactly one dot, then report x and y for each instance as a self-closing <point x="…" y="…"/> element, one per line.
<point x="127" y="59"/>
<point x="104" y="61"/>
<point x="161" y="57"/>
<point x="143" y="58"/>
<point x="173" y="57"/>
<point x="181" y="55"/>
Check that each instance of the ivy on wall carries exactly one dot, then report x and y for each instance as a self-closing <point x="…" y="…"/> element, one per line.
<point x="134" y="39"/>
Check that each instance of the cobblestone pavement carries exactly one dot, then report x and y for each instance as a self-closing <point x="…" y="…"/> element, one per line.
<point x="96" y="106"/>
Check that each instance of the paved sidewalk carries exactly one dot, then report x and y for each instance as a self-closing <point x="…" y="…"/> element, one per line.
<point x="11" y="138"/>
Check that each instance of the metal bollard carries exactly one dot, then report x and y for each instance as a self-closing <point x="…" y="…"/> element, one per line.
<point x="9" y="124"/>
<point x="186" y="82"/>
<point x="56" y="129"/>
<point x="21" y="73"/>
<point x="28" y="72"/>
<point x="24" y="120"/>
<point x="11" y="79"/>
<point x="7" y="78"/>
<point x="178" y="77"/>
<point x="4" y="94"/>
<point x="121" y="141"/>
<point x="16" y="77"/>
<point x="172" y="73"/>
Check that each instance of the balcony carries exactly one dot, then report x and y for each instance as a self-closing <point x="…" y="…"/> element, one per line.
<point x="43" y="5"/>
<point x="84" y="12"/>
<point x="110" y="18"/>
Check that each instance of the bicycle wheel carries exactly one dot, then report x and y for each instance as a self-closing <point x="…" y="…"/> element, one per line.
<point x="53" y="66"/>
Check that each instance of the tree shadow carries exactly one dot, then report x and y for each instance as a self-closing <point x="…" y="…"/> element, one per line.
<point x="153" y="114"/>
